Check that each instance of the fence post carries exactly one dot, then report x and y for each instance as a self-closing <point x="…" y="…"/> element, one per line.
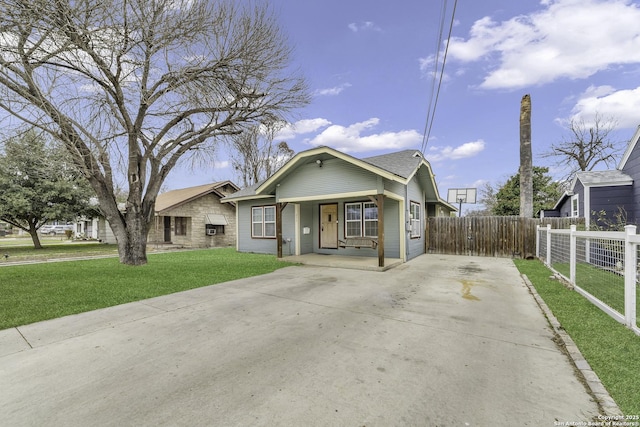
<point x="538" y="241"/>
<point x="548" y="245"/>
<point x="572" y="254"/>
<point x="629" y="277"/>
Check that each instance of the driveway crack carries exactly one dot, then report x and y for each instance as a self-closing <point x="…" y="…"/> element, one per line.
<point x="23" y="337"/>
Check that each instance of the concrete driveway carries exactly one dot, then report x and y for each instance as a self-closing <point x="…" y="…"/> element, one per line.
<point x="439" y="341"/>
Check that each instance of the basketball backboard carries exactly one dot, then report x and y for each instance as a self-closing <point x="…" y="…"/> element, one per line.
<point x="461" y="195"/>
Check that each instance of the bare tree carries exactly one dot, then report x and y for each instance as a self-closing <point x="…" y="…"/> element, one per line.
<point x="131" y="87"/>
<point x="587" y="146"/>
<point x="526" y="160"/>
<point x="255" y="156"/>
<point x="487" y="198"/>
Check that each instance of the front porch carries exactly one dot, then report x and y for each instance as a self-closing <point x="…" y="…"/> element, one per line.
<point x="343" y="261"/>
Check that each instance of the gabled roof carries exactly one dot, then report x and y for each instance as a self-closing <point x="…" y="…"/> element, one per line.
<point x="249" y="191"/>
<point x="401" y="163"/>
<point x="630" y="148"/>
<point x="320" y="154"/>
<point x="561" y="200"/>
<point x="175" y="198"/>
<point x="607" y="178"/>
<point x="602" y="178"/>
<point x="398" y="166"/>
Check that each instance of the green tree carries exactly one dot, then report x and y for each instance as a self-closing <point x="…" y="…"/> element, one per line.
<point x="546" y="192"/>
<point x="39" y="183"/>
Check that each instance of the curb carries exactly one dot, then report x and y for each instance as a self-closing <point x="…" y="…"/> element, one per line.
<point x="591" y="379"/>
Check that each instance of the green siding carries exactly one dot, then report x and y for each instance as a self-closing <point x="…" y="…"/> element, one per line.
<point x="245" y="242"/>
<point x="335" y="176"/>
<point x="415" y="246"/>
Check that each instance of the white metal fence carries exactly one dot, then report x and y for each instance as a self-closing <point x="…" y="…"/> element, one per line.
<point x="601" y="265"/>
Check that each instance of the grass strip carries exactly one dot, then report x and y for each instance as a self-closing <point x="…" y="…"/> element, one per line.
<point x="606" y="285"/>
<point x="51" y="249"/>
<point x="35" y="292"/>
<point x="610" y="348"/>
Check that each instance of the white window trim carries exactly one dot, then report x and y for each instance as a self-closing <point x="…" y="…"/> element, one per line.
<point x="416" y="219"/>
<point x="362" y="221"/>
<point x="365" y="220"/>
<point x="263" y="222"/>
<point x="576" y="213"/>
<point x="348" y="221"/>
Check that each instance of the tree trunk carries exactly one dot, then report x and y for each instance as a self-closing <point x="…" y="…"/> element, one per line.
<point x="132" y="240"/>
<point x="130" y="228"/>
<point x="526" y="162"/>
<point x="36" y="239"/>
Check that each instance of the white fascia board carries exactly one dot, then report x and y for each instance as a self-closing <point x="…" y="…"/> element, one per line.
<point x="337" y="154"/>
<point x="250" y="197"/>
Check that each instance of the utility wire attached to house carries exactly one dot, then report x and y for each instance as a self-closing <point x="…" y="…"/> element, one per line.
<point x="438" y="72"/>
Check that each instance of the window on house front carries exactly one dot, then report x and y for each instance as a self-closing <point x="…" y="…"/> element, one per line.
<point x="416" y="223"/>
<point x="180" y="226"/>
<point x="361" y="219"/>
<point x="575" y="210"/>
<point x="263" y="222"/>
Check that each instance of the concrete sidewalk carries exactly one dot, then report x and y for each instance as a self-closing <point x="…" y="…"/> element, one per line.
<point x="439" y="341"/>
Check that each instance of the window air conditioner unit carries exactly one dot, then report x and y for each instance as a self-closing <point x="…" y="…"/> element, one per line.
<point x="211" y="232"/>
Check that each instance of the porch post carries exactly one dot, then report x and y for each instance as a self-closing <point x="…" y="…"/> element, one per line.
<point x="380" y="230"/>
<point x="279" y="228"/>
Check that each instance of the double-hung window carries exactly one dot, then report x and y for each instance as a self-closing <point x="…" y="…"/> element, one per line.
<point x="416" y="215"/>
<point x="361" y="219"/>
<point x="575" y="209"/>
<point x="180" y="226"/>
<point x="263" y="222"/>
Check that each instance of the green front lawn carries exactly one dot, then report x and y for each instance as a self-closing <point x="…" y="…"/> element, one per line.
<point x="612" y="350"/>
<point x="52" y="248"/>
<point x="605" y="285"/>
<point x="31" y="293"/>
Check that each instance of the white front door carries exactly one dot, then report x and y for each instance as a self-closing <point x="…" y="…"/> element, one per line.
<point x="329" y="226"/>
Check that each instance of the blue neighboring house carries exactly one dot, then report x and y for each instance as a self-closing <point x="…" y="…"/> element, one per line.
<point x="609" y="191"/>
<point x="328" y="202"/>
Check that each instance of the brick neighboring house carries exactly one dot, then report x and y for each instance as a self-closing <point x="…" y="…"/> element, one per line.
<point x="194" y="217"/>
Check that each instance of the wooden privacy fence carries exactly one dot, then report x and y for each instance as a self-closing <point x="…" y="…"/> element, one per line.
<point x="494" y="236"/>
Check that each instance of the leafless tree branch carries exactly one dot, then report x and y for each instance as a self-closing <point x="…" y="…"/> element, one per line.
<point x="136" y="85"/>
<point x="587" y="146"/>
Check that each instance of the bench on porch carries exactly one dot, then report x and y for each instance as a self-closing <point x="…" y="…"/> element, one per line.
<point x="358" y="242"/>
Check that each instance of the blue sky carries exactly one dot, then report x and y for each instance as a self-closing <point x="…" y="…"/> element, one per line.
<point x="369" y="67"/>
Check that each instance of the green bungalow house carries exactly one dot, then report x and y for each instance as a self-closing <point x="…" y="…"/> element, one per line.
<point x="327" y="202"/>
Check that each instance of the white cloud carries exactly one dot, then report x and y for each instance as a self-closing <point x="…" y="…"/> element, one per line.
<point x="221" y="164"/>
<point x="350" y="138"/>
<point x="363" y="26"/>
<point x="427" y="66"/>
<point x="619" y="105"/>
<point x="567" y="39"/>
<point x="332" y="91"/>
<point x="301" y="127"/>
<point x="468" y="149"/>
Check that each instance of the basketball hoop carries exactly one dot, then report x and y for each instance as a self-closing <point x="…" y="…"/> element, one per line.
<point x="460" y="196"/>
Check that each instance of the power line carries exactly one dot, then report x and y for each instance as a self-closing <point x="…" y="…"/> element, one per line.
<point x="433" y="102"/>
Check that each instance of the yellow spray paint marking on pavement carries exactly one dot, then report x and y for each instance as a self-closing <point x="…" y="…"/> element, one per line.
<point x="466" y="290"/>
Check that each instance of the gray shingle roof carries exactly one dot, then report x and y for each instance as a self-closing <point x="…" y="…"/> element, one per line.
<point x="247" y="191"/>
<point x="401" y="163"/>
<point x="612" y="177"/>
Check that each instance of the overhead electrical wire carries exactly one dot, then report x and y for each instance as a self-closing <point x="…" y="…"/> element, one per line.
<point x="438" y="72"/>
